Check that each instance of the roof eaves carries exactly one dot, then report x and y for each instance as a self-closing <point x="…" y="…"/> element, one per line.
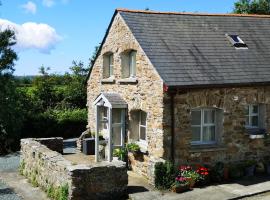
<point x="192" y="14"/>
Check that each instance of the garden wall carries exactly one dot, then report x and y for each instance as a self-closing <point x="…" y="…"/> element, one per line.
<point x="62" y="179"/>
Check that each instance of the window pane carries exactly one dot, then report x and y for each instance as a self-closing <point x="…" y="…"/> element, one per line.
<point x="254" y="120"/>
<point x="111" y="65"/>
<point x="134" y="125"/>
<point x="246" y="110"/>
<point x="142" y="133"/>
<point x="196" y="117"/>
<point x="247" y="121"/>
<point x="143" y="118"/>
<point x="195" y="133"/>
<point x="254" y="109"/>
<point x="132" y="63"/>
<point x="209" y="116"/>
<point x="116" y="135"/>
<point x="208" y="133"/>
<point x="116" y="115"/>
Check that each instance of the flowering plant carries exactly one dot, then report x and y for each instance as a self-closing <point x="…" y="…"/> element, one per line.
<point x="203" y="172"/>
<point x="189" y="173"/>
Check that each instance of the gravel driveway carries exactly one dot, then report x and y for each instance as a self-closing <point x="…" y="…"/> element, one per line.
<point x="9" y="163"/>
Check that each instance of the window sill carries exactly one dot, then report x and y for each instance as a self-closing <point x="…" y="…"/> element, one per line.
<point x="108" y="80"/>
<point x="128" y="80"/>
<point x="206" y="148"/>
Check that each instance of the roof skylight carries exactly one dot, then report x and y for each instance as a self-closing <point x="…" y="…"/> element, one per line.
<point x="237" y="42"/>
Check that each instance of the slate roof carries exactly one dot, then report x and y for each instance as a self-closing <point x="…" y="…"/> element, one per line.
<point x="115" y="99"/>
<point x="190" y="50"/>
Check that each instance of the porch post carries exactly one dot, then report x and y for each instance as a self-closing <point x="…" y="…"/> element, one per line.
<point x="110" y="149"/>
<point x="97" y="135"/>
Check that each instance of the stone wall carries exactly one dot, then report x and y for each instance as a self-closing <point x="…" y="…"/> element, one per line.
<point x="51" y="171"/>
<point x="146" y="94"/>
<point x="235" y="143"/>
<point x="54" y="144"/>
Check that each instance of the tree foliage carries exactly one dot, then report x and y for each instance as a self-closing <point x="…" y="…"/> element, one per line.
<point x="10" y="107"/>
<point x="252" y="7"/>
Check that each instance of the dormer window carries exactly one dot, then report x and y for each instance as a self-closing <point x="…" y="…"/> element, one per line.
<point x="237" y="42"/>
<point x="108" y="65"/>
<point x="129" y="64"/>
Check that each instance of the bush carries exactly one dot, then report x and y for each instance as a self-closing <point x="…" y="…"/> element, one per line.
<point x="164" y="175"/>
<point x="56" y="123"/>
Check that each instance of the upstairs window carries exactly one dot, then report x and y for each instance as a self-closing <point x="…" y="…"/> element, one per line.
<point x="252" y="116"/>
<point x="237" y="42"/>
<point x="108" y="65"/>
<point x="129" y="64"/>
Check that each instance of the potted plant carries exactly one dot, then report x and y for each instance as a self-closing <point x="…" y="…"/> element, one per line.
<point x="181" y="184"/>
<point x="191" y="175"/>
<point x="249" y="167"/>
<point x="133" y="148"/>
<point x="236" y="171"/>
<point x="203" y="175"/>
<point x="218" y="172"/>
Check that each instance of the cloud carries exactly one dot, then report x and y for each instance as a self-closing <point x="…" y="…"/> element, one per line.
<point x="30" y="35"/>
<point x="48" y="3"/>
<point x="30" y="7"/>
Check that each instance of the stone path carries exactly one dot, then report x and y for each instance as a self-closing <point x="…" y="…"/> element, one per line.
<point x="247" y="189"/>
<point x="12" y="185"/>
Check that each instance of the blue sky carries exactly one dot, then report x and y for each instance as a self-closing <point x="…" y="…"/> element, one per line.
<point x="55" y="32"/>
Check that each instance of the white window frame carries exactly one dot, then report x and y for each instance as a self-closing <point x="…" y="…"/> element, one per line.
<point x="110" y="57"/>
<point x="143" y="126"/>
<point x="251" y="114"/>
<point x="120" y="124"/>
<point x="132" y="63"/>
<point x="202" y="125"/>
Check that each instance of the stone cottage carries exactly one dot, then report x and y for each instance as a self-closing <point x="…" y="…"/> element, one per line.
<point x="191" y="88"/>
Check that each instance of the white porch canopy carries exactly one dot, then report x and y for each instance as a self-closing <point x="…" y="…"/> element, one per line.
<point x="110" y="119"/>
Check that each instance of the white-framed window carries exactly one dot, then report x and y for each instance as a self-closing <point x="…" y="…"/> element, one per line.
<point x="142" y="126"/>
<point x="252" y="116"/>
<point x="103" y="118"/>
<point x="128" y="65"/>
<point x="132" y="63"/>
<point x="108" y="65"/>
<point x="203" y="125"/>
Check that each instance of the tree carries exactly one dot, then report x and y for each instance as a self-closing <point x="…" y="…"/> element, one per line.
<point x="75" y="94"/>
<point x="261" y="7"/>
<point x="7" y="54"/>
<point x="10" y="107"/>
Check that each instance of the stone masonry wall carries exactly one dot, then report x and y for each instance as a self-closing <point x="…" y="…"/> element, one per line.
<point x="146" y="94"/>
<point x="51" y="171"/>
<point x="235" y="143"/>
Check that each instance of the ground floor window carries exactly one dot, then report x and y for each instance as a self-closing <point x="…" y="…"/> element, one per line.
<point x="252" y="116"/>
<point x="138" y="126"/>
<point x="203" y="125"/>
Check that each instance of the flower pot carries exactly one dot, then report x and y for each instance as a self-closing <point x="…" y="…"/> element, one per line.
<point x="191" y="183"/>
<point x="180" y="188"/>
<point x="249" y="171"/>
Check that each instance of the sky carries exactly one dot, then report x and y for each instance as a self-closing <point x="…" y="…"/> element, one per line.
<point x="53" y="33"/>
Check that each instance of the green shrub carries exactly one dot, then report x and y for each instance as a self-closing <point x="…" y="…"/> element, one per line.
<point x="164" y="175"/>
<point x="56" y="123"/>
<point x="133" y="147"/>
<point x="58" y="193"/>
<point x="121" y="153"/>
<point x="21" y="167"/>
